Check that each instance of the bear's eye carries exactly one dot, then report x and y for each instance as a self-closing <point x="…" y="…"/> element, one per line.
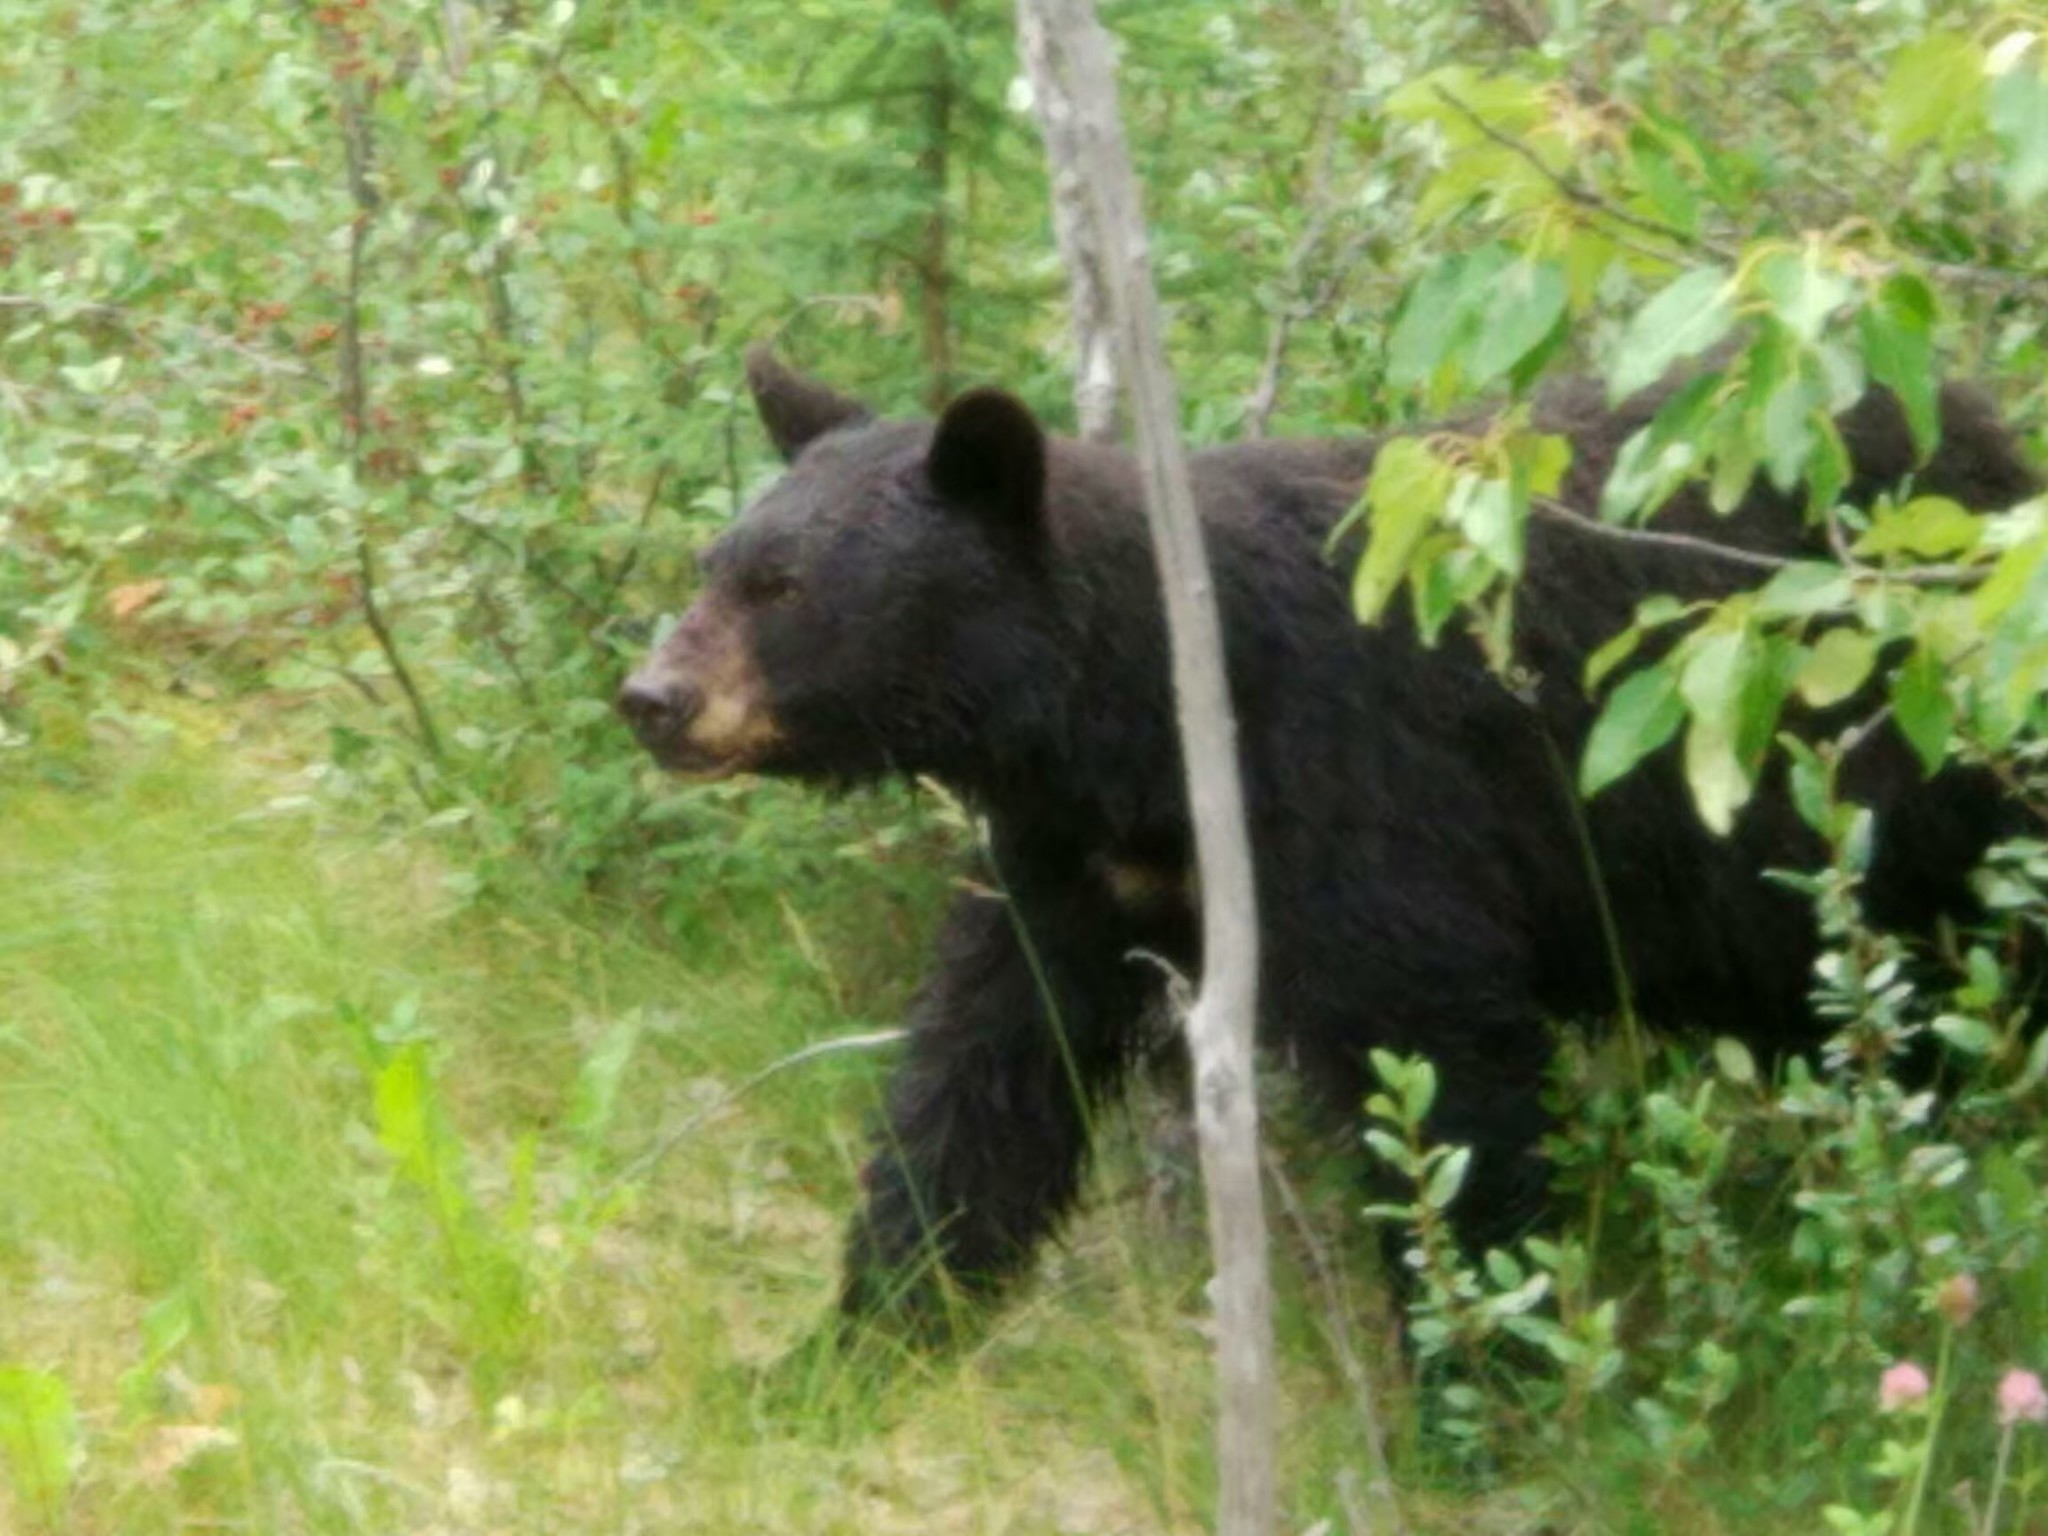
<point x="768" y="589"/>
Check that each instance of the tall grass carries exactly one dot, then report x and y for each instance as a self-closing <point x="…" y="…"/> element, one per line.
<point x="312" y="1207"/>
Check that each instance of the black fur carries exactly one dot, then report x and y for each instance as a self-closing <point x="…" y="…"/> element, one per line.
<point x="985" y="611"/>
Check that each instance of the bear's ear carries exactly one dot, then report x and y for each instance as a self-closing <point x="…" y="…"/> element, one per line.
<point x="988" y="454"/>
<point x="796" y="410"/>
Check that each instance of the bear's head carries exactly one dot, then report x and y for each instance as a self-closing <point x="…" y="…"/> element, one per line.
<point x="882" y="608"/>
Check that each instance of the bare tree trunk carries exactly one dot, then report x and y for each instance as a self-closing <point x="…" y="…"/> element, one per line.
<point x="1069" y="55"/>
<point x="1082" y="248"/>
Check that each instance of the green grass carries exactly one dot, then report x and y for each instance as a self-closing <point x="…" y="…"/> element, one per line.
<point x="310" y="1203"/>
<point x="325" y="1206"/>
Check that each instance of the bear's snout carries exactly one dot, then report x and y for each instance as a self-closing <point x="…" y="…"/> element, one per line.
<point x="659" y="708"/>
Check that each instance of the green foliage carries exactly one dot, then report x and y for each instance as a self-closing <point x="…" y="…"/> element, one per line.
<point x="1757" y="1250"/>
<point x="367" y="380"/>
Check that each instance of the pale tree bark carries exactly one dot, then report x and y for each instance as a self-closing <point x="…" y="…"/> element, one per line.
<point x="1082" y="248"/>
<point x="1069" y="55"/>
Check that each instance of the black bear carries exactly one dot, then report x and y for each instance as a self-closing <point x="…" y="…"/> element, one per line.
<point x="973" y="600"/>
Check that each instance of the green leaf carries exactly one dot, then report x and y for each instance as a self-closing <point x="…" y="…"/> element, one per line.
<point x="1930" y="527"/>
<point x="1447" y="1178"/>
<point x="1787" y="430"/>
<point x="1540" y="461"/>
<point x="1426" y="326"/>
<point x="1485" y="512"/>
<point x="1715" y="676"/>
<point x="1836" y="667"/>
<point x="1735" y="459"/>
<point x="1898" y="347"/>
<point x="1642" y="714"/>
<point x="1611" y="655"/>
<point x="1523" y="305"/>
<point x="1921" y="705"/>
<point x="1827" y="465"/>
<point x="1684" y="320"/>
<point x="2019" y="116"/>
<point x="1811" y="784"/>
<point x="1656" y="459"/>
<point x="1803" y="589"/>
<point x="1972" y="1037"/>
<point x="2011" y="580"/>
<point x="1657" y="172"/>
<point x="1733" y="1061"/>
<point x="1442" y="317"/>
<point x="1405" y="495"/>
<point x="1932" y="88"/>
<point x="1801" y="291"/>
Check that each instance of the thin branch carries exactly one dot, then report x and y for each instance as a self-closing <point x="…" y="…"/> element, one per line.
<point x="1750" y="559"/>
<point x="1650" y="538"/>
<point x="1580" y="195"/>
<point x="352" y="392"/>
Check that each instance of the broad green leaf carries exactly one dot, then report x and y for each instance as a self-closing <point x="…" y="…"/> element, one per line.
<point x="1898" y="346"/>
<point x="1827" y="466"/>
<point x="1684" y="320"/>
<point x="1972" y="1037"/>
<point x="1426" y="326"/>
<point x="1803" y="589"/>
<point x="1732" y="1059"/>
<point x="1930" y="527"/>
<point x="1523" y="305"/>
<point x="1811" y="784"/>
<point x="1611" y="655"/>
<point x="1802" y="291"/>
<point x="1438" y="323"/>
<point x="1663" y="183"/>
<point x="1540" y="461"/>
<point x="1447" y="1178"/>
<point x="1714" y="670"/>
<point x="1934" y="87"/>
<point x="1787" y="430"/>
<point x="1836" y="667"/>
<point x="1406" y="495"/>
<point x="2019" y="116"/>
<point x="1921" y="705"/>
<point x="1714" y="773"/>
<point x="1444" y="574"/>
<point x="1716" y="673"/>
<point x="1656" y="459"/>
<point x="1485" y="512"/>
<point x="1735" y="461"/>
<point x="1643" y="713"/>
<point x="2010" y="580"/>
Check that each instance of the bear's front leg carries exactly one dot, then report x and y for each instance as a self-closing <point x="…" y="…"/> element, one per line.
<point x="1013" y="1041"/>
